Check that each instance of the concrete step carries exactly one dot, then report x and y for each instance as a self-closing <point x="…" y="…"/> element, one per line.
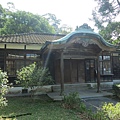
<point x="82" y="86"/>
<point x="70" y="87"/>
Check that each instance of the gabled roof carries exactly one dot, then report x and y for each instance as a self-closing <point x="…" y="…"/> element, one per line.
<point x="29" y="38"/>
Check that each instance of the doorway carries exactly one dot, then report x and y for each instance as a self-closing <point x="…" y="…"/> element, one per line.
<point x="90" y="72"/>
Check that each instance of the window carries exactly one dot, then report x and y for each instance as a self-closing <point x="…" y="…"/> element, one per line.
<point x="15" y="56"/>
<point x="17" y="60"/>
<point x="105" y="64"/>
<point x="31" y="56"/>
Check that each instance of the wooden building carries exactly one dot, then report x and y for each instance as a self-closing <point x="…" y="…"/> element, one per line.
<point x="19" y="50"/>
<point x="82" y="56"/>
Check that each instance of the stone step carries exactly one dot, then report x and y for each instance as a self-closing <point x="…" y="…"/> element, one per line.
<point x="71" y="87"/>
<point x="82" y="86"/>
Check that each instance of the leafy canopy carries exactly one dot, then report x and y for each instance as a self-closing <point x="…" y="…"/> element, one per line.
<point x="15" y="22"/>
<point x="105" y="17"/>
<point x="105" y="12"/>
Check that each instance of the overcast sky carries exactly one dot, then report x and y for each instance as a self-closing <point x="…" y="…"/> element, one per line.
<point x="71" y="12"/>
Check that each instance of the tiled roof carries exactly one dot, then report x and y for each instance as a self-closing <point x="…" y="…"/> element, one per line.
<point x="29" y="38"/>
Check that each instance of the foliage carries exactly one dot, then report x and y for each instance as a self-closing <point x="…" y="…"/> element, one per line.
<point x="99" y="115"/>
<point x="53" y="21"/>
<point x="105" y="12"/>
<point x="111" y="32"/>
<point x="3" y="88"/>
<point x="109" y="111"/>
<point x="64" y="29"/>
<point x="73" y="101"/>
<point x="112" y="111"/>
<point x="116" y="88"/>
<point x="105" y="17"/>
<point x="33" y="75"/>
<point x="15" y="21"/>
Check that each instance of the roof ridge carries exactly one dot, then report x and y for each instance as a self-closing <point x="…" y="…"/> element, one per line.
<point x="31" y="33"/>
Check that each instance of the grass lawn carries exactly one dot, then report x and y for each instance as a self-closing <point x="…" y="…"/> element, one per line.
<point x="42" y="108"/>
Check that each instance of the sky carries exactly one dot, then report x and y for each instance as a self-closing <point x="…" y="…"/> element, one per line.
<point x="71" y="12"/>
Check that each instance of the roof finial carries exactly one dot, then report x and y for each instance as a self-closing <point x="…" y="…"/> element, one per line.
<point x="84" y="27"/>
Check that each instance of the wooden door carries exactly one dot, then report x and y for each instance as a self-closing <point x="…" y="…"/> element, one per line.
<point x="90" y="75"/>
<point x="67" y="72"/>
<point x="74" y="71"/>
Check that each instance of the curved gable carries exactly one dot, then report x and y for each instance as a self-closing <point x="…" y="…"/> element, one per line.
<point x="83" y="35"/>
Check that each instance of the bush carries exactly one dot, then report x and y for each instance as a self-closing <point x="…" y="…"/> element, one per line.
<point x="111" y="111"/>
<point x="33" y="75"/>
<point x="73" y="101"/>
<point x="3" y="88"/>
<point x="116" y="89"/>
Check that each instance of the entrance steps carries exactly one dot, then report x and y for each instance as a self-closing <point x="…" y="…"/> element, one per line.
<point x="82" y="86"/>
<point x="71" y="87"/>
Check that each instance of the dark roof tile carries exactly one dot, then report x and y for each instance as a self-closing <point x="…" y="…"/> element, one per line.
<point x="29" y="38"/>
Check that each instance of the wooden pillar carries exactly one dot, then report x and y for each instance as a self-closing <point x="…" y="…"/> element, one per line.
<point x="25" y="55"/>
<point x="62" y="73"/>
<point x="98" y="74"/>
<point x="5" y="55"/>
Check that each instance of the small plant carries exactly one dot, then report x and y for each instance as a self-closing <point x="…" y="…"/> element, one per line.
<point x="3" y="88"/>
<point x="73" y="101"/>
<point x="33" y="75"/>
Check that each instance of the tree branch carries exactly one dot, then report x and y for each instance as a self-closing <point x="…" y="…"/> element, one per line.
<point x="118" y="2"/>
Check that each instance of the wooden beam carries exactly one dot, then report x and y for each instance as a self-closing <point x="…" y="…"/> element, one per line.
<point x="62" y="73"/>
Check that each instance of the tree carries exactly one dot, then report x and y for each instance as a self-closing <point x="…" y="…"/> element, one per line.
<point x="104" y="16"/>
<point x="65" y="29"/>
<point x="105" y="12"/>
<point x="2" y="16"/>
<point x="14" y="22"/>
<point x="53" y="21"/>
<point x="111" y="32"/>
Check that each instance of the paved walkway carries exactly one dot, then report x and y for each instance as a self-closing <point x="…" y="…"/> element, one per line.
<point x="90" y="97"/>
<point x="84" y="93"/>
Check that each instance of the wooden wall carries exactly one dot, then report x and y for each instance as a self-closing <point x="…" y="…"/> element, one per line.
<point x="74" y="71"/>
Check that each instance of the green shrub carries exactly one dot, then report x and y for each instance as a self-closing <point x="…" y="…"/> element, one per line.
<point x="73" y="101"/>
<point x="116" y="88"/>
<point x="33" y="75"/>
<point x="109" y="111"/>
<point x="3" y="88"/>
<point x="99" y="115"/>
<point x="112" y="111"/>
